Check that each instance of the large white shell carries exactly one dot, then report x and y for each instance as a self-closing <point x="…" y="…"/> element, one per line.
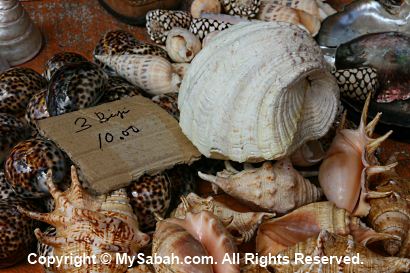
<point x="257" y="92"/>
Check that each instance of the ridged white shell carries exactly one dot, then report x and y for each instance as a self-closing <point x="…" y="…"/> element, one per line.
<point x="257" y="92"/>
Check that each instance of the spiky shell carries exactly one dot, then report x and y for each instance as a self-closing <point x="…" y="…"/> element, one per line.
<point x="160" y="22"/>
<point x="37" y="109"/>
<point x="357" y="83"/>
<point x="75" y="86"/>
<point x="153" y="74"/>
<point x="150" y="195"/>
<point x="349" y="163"/>
<point x="120" y="42"/>
<point x="241" y="224"/>
<point x="269" y="12"/>
<point x="27" y="165"/>
<point x="90" y="225"/>
<point x="60" y="59"/>
<point x="17" y="85"/>
<point x="245" y="100"/>
<point x="16" y="232"/>
<point x="182" y="45"/>
<point x="277" y="234"/>
<point x="274" y="188"/>
<point x="328" y="244"/>
<point x="391" y="214"/>
<point x="12" y="130"/>
<point x="118" y="88"/>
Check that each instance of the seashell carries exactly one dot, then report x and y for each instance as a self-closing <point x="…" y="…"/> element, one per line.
<point x="183" y="181"/>
<point x="307" y="6"/>
<point x="90" y="225"/>
<point x="223" y="77"/>
<point x="182" y="45"/>
<point x="208" y="6"/>
<point x="17" y="85"/>
<point x="309" y="154"/>
<point x="357" y="83"/>
<point x="395" y="6"/>
<point x="118" y="88"/>
<point x="12" y="130"/>
<point x="20" y="39"/>
<point x="273" y="12"/>
<point x="349" y="162"/>
<point x="60" y="59"/>
<point x="254" y="268"/>
<point x="278" y="234"/>
<point x="328" y="245"/>
<point x="388" y="53"/>
<point x="121" y="42"/>
<point x="391" y="214"/>
<point x="248" y="8"/>
<point x="142" y="268"/>
<point x="6" y="191"/>
<point x="149" y="196"/>
<point x="27" y="165"/>
<point x="198" y="234"/>
<point x="168" y="102"/>
<point x="208" y="38"/>
<point x="360" y="18"/>
<point x="43" y="249"/>
<point x="201" y="27"/>
<point x="37" y="109"/>
<point x="16" y="232"/>
<point x="242" y="225"/>
<point x="275" y="188"/>
<point x="155" y="75"/>
<point x="75" y="86"/>
<point x="160" y="22"/>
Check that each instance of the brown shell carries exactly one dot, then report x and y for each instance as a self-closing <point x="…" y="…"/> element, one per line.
<point x="168" y="102"/>
<point x="328" y="244"/>
<point x="391" y="214"/>
<point x="12" y="130"/>
<point x="37" y="109"/>
<point x="90" y="225"/>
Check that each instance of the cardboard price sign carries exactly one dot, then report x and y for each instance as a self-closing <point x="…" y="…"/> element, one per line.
<point x="117" y="142"/>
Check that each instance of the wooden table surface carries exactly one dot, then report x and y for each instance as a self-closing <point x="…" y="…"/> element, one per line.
<point x="78" y="25"/>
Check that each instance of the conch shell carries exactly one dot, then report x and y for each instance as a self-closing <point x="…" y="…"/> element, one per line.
<point x="245" y="100"/>
<point x="274" y="188"/>
<point x="278" y="234"/>
<point x="154" y="74"/>
<point x="242" y="223"/>
<point x="182" y="45"/>
<point x="349" y="162"/>
<point x="88" y="225"/>
<point x="361" y="259"/>
<point x="198" y="234"/>
<point x="391" y="214"/>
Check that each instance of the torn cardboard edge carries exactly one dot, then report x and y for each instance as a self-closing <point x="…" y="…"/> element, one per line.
<point x="115" y="143"/>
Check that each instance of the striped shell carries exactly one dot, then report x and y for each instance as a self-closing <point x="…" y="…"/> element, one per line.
<point x="246" y="100"/>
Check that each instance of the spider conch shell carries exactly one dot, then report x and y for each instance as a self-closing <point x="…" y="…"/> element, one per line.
<point x="280" y="233"/>
<point x="182" y="45"/>
<point x="349" y="163"/>
<point x="327" y="245"/>
<point x="154" y="74"/>
<point x="88" y="225"/>
<point x="391" y="214"/>
<point x="199" y="234"/>
<point x="242" y="223"/>
<point x="247" y="100"/>
<point x="274" y="188"/>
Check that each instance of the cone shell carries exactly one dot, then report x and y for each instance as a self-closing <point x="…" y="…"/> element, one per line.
<point x="274" y="12"/>
<point x="241" y="224"/>
<point x="245" y="100"/>
<point x="90" y="225"/>
<point x="153" y="74"/>
<point x="327" y="245"/>
<point x="243" y="8"/>
<point x="274" y="188"/>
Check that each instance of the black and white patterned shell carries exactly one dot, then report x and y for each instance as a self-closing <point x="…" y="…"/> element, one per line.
<point x="203" y="26"/>
<point x="75" y="86"/>
<point x="357" y="83"/>
<point x="60" y="59"/>
<point x="160" y="22"/>
<point x="247" y="9"/>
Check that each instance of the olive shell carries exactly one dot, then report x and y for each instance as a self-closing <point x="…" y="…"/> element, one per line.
<point x="59" y="60"/>
<point x="17" y="85"/>
<point x="75" y="86"/>
<point x="28" y="163"/>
